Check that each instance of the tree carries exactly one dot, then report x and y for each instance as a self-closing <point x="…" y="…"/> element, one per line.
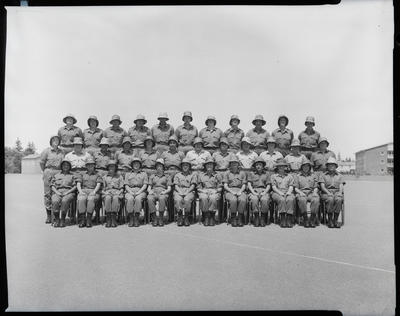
<point x="31" y="149"/>
<point x="18" y="145"/>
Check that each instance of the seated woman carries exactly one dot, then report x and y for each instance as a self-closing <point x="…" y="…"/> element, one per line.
<point x="113" y="187"/>
<point x="63" y="186"/>
<point x="332" y="191"/>
<point x="124" y="156"/>
<point x="136" y="183"/>
<point x="234" y="184"/>
<point x="159" y="188"/>
<point x="184" y="185"/>
<point x="88" y="186"/>
<point x="259" y="184"/>
<point x="209" y="188"/>
<point x="306" y="187"/>
<point x="282" y="186"/>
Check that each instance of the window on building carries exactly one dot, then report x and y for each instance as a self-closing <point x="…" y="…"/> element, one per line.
<point x="382" y="161"/>
<point x="390" y="160"/>
<point x="382" y="170"/>
<point x="382" y="153"/>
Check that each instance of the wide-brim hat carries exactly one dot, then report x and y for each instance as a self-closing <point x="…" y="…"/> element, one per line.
<point x="140" y="117"/>
<point x="188" y="114"/>
<point x="186" y="161"/>
<point x="306" y="162"/>
<point x="55" y="136"/>
<point x="198" y="140"/>
<point x="71" y="116"/>
<point x="211" y="118"/>
<point x="259" y="118"/>
<point x="331" y="161"/>
<point x="65" y="161"/>
<point x="309" y="119"/>
<point x="234" y="117"/>
<point x="295" y="143"/>
<point x="104" y="141"/>
<point x="77" y="141"/>
<point x="115" y="118"/>
<point x="90" y="161"/>
<point x="280" y="163"/>
<point x="223" y="140"/>
<point x="285" y="117"/>
<point x="173" y="139"/>
<point x="149" y="138"/>
<point x="125" y="140"/>
<point x="160" y="161"/>
<point x="136" y="159"/>
<point x="163" y="115"/>
<point x="208" y="161"/>
<point x="112" y="163"/>
<point x="233" y="159"/>
<point x="271" y="140"/>
<point x="245" y="140"/>
<point x="94" y="118"/>
<point x="259" y="160"/>
<point x="323" y="139"/>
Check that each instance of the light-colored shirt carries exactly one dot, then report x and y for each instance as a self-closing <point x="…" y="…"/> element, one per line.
<point x="306" y="182"/>
<point x="78" y="161"/>
<point x="161" y="134"/>
<point x="213" y="181"/>
<point x="92" y="138"/>
<point x="138" y="135"/>
<point x="309" y="140"/>
<point x="160" y="181"/>
<point x="259" y="180"/>
<point x="89" y="180"/>
<point x="234" y="180"/>
<point x="51" y="158"/>
<point x="185" y="181"/>
<point x="197" y="159"/>
<point x="115" y="136"/>
<point x="63" y="181"/>
<point x="112" y="183"/>
<point x="258" y="138"/>
<point x="67" y="135"/>
<point x="172" y="159"/>
<point x="246" y="159"/>
<point x="295" y="162"/>
<point x="101" y="159"/>
<point x="319" y="159"/>
<point x="234" y="137"/>
<point x="282" y="182"/>
<point x="332" y="181"/>
<point x="283" y="138"/>
<point x="222" y="161"/>
<point x="124" y="159"/>
<point x="270" y="159"/>
<point x="136" y="179"/>
<point x="149" y="158"/>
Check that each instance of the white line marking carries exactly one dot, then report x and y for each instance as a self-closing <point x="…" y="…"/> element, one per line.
<point x="284" y="252"/>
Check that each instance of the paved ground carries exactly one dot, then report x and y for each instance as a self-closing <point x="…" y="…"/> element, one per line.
<point x="349" y="269"/>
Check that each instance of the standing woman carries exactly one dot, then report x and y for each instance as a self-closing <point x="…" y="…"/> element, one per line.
<point x="68" y="132"/>
<point x="246" y="156"/>
<point x="309" y="138"/>
<point x="92" y="135"/>
<point x="162" y="132"/>
<point x="198" y="155"/>
<point x="172" y="157"/>
<point x="50" y="162"/>
<point x="186" y="133"/>
<point x="115" y="134"/>
<point x="136" y="183"/>
<point x="125" y="156"/>
<point x="211" y="135"/>
<point x="102" y="157"/>
<point x="222" y="156"/>
<point x="258" y="135"/>
<point x="234" y="134"/>
<point x="321" y="156"/>
<point x="283" y="135"/>
<point x="139" y="132"/>
<point x="63" y="186"/>
<point x="113" y="188"/>
<point x="149" y="156"/>
<point x="159" y="189"/>
<point x="271" y="155"/>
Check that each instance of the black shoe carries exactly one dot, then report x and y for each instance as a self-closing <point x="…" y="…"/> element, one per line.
<point x="264" y="220"/>
<point x="114" y="220"/>
<point x="56" y="219"/>
<point x="234" y="221"/>
<point x="62" y="222"/>
<point x="240" y="221"/>
<point x="186" y="220"/>
<point x="306" y="223"/>
<point x="312" y="221"/>
<point x="81" y="222"/>
<point x="330" y="222"/>
<point x="136" y="222"/>
<point x="207" y="219"/>
<point x="89" y="220"/>
<point x="212" y="219"/>
<point x="180" y="220"/>
<point x="256" y="219"/>
<point x="154" y="221"/>
<point x="108" y="220"/>
<point x="72" y="220"/>
<point x="48" y="219"/>
<point x="289" y="220"/>
<point x="335" y="220"/>
<point x="282" y="222"/>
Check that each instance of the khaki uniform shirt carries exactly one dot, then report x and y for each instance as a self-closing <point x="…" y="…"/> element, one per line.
<point x="89" y="181"/>
<point x="138" y="135"/>
<point x="234" y="180"/>
<point x="258" y="138"/>
<point x="306" y="182"/>
<point x="162" y="181"/>
<point x="319" y="159"/>
<point x="161" y="134"/>
<point x="222" y="161"/>
<point x="259" y="180"/>
<point x="172" y="159"/>
<point x="102" y="159"/>
<point x="112" y="183"/>
<point x="115" y="136"/>
<point x="63" y="181"/>
<point x="332" y="181"/>
<point x="51" y="158"/>
<point x="186" y="135"/>
<point x="92" y="138"/>
<point x="185" y="181"/>
<point x="67" y="135"/>
<point x="283" y="139"/>
<point x="295" y="161"/>
<point x="282" y="183"/>
<point x="213" y="181"/>
<point x="309" y="140"/>
<point x="210" y="136"/>
<point x="136" y="179"/>
<point x="234" y="137"/>
<point x="149" y="158"/>
<point x="124" y="160"/>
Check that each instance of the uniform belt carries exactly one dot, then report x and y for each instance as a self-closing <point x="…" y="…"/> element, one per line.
<point x="221" y="169"/>
<point x="152" y="168"/>
<point x="78" y="169"/>
<point x="65" y="145"/>
<point x="102" y="168"/>
<point x="162" y="143"/>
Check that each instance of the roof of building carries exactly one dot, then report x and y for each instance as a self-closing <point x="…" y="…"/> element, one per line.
<point x="33" y="156"/>
<point x="373" y="148"/>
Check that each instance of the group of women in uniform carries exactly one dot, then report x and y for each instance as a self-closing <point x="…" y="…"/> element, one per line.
<point x="254" y="170"/>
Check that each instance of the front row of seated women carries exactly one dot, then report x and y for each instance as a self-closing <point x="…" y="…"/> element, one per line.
<point x="257" y="187"/>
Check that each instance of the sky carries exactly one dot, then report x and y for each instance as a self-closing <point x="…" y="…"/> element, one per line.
<point x="330" y="62"/>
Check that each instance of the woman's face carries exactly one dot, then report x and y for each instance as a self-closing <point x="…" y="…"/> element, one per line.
<point x="112" y="168"/>
<point x="198" y="147"/>
<point x="223" y="147"/>
<point x="234" y="166"/>
<point x="139" y="123"/>
<point x="210" y="123"/>
<point x="127" y="146"/>
<point x="185" y="167"/>
<point x="295" y="150"/>
<point x="234" y="123"/>
<point x="136" y="165"/>
<point x="258" y="123"/>
<point x="78" y="148"/>
<point x="271" y="146"/>
<point x="55" y="142"/>
<point x="309" y="125"/>
<point x="69" y="120"/>
<point x="210" y="167"/>
<point x="281" y="169"/>
<point x="90" y="167"/>
<point x="163" y="121"/>
<point x="104" y="147"/>
<point x="148" y="144"/>
<point x="187" y="119"/>
<point x="159" y="167"/>
<point x="323" y="145"/>
<point x="92" y="123"/>
<point x="115" y="123"/>
<point x="246" y="146"/>
<point x="282" y="122"/>
<point x="259" y="166"/>
<point x="172" y="146"/>
<point x="331" y="167"/>
<point x="306" y="168"/>
<point x="65" y="167"/>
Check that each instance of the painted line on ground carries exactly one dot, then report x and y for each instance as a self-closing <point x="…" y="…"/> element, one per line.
<point x="282" y="252"/>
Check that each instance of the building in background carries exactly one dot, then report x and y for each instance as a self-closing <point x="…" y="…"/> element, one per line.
<point x="346" y="166"/>
<point x="30" y="164"/>
<point x="375" y="161"/>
